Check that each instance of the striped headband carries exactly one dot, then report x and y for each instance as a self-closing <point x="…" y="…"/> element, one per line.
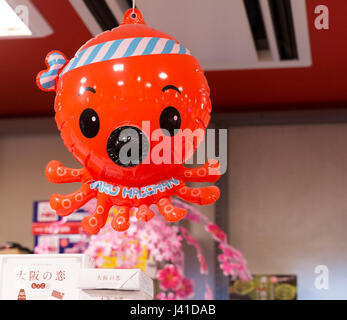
<point x="123" y="48"/>
<point x="46" y="79"/>
<point x="105" y="51"/>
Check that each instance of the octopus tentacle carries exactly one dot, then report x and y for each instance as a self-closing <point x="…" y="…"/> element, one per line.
<point x="93" y="223"/>
<point x="121" y="220"/>
<point x="169" y="211"/>
<point x="64" y="205"/>
<point x="144" y="213"/>
<point x="202" y="196"/>
<point x="209" y="172"/>
<point x="57" y="173"/>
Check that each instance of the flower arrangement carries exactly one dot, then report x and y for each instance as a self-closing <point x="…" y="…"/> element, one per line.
<point x="162" y="242"/>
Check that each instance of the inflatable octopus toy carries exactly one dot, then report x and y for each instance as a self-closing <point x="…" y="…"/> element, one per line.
<point x="125" y="88"/>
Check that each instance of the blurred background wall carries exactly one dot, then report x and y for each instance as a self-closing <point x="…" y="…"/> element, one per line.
<point x="26" y="146"/>
<point x="287" y="202"/>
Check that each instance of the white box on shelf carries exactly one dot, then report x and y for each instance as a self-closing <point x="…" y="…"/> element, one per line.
<point x="41" y="276"/>
<point x="126" y="283"/>
<point x="109" y="294"/>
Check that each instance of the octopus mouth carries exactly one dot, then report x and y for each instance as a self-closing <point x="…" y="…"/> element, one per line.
<point x="127" y="146"/>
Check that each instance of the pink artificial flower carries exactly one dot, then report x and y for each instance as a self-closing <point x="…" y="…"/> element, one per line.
<point x="228" y="268"/>
<point x="157" y="254"/>
<point x="203" y="265"/>
<point x="131" y="230"/>
<point x="208" y="292"/>
<point x="43" y="247"/>
<point x="244" y="275"/>
<point x="189" y="238"/>
<point x="169" y="277"/>
<point x="192" y="217"/>
<point x="186" y="289"/>
<point x="229" y="251"/>
<point x="164" y="296"/>
<point x="193" y="214"/>
<point x="218" y="234"/>
<point x="163" y="241"/>
<point x="98" y="252"/>
<point x="176" y="242"/>
<point x="223" y="258"/>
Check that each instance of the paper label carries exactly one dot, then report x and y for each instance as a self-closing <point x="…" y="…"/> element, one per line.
<point x="39" y="279"/>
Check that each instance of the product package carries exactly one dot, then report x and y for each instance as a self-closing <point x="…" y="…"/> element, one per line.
<point x="40" y="228"/>
<point x="67" y="237"/>
<point x="265" y="287"/>
<point x="115" y="284"/>
<point x="62" y="243"/>
<point x="43" y="213"/>
<point x="41" y="276"/>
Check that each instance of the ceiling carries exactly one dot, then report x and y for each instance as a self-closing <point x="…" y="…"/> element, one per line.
<point x="324" y="85"/>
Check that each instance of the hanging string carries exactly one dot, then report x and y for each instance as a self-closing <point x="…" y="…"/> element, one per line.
<point x="133" y="7"/>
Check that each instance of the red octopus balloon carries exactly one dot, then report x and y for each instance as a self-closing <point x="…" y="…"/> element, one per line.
<point x="114" y="83"/>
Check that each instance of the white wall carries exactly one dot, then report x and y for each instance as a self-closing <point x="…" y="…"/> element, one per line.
<point x="288" y="202"/>
<point x="26" y="146"/>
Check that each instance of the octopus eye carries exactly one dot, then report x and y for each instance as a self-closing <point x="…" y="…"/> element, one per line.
<point x="170" y="120"/>
<point x="89" y="123"/>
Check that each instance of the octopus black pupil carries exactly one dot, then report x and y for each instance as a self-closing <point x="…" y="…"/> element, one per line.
<point x="170" y="121"/>
<point x="129" y="139"/>
<point x="89" y="123"/>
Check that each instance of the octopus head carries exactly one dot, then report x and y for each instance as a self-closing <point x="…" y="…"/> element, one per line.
<point x="128" y="101"/>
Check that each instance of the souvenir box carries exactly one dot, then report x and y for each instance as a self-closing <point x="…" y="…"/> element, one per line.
<point x="41" y="276"/>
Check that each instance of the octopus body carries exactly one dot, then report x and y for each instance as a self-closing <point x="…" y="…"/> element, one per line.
<point x="129" y="86"/>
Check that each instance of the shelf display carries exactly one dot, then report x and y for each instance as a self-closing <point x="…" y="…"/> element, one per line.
<point x="54" y="234"/>
<point x="156" y="248"/>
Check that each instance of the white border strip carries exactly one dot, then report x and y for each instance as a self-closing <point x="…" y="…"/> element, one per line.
<point x="269" y="28"/>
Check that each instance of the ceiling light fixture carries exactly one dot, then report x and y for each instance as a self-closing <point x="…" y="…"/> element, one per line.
<point x="10" y="23"/>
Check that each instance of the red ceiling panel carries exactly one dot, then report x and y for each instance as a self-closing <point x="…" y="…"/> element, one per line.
<point x="323" y="85"/>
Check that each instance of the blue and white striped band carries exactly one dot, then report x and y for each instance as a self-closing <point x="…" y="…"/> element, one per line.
<point x="46" y="79"/>
<point x="123" y="48"/>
